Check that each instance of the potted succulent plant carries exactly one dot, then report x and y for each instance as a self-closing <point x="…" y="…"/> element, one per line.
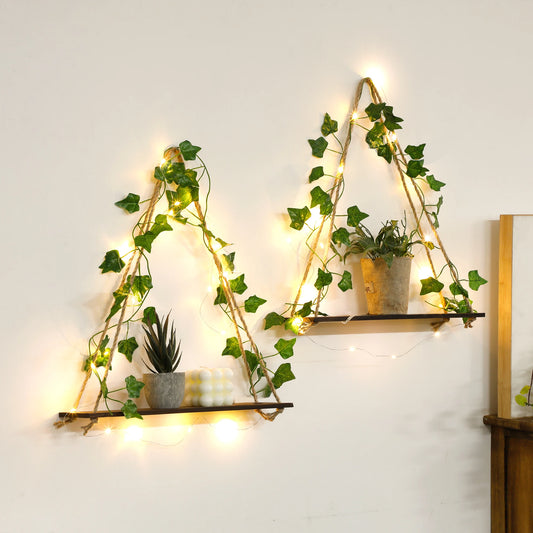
<point x="164" y="387"/>
<point x="387" y="266"/>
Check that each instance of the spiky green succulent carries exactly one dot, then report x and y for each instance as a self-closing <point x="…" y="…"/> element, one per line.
<point x="160" y="346"/>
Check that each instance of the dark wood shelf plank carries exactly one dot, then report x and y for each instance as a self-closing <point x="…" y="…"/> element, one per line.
<point x="186" y="409"/>
<point x="414" y="316"/>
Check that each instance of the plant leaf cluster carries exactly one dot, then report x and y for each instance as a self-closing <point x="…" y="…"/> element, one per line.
<point x="391" y="241"/>
<point x="160" y="345"/>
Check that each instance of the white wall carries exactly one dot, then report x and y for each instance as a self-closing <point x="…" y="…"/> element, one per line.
<point x="91" y="94"/>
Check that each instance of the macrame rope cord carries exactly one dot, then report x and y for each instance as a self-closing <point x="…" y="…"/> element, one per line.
<point x="398" y="157"/>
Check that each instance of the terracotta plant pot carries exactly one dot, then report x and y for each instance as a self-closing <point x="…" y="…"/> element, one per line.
<point x="387" y="289"/>
<point x="164" y="391"/>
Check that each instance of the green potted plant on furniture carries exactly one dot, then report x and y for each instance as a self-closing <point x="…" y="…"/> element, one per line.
<point x="164" y="387"/>
<point x="386" y="266"/>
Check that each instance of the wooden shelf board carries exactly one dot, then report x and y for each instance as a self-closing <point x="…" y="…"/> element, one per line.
<point x="186" y="409"/>
<point x="419" y="316"/>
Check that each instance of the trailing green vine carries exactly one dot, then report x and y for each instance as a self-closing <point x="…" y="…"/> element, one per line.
<point x="180" y="186"/>
<point x="380" y="124"/>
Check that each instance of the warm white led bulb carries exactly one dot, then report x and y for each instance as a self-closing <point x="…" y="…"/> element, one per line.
<point x="226" y="430"/>
<point x="133" y="434"/>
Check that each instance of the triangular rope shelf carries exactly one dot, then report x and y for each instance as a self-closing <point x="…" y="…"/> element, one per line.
<point x="181" y="186"/>
<point x="382" y="138"/>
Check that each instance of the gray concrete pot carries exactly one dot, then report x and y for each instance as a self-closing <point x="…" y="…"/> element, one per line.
<point x="164" y="391"/>
<point x="387" y="289"/>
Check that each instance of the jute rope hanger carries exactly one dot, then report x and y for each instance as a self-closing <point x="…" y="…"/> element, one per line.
<point x="327" y="222"/>
<point x="242" y="330"/>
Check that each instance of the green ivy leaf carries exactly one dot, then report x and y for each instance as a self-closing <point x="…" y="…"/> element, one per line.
<point x="415" y="152"/>
<point x="120" y="295"/>
<point x="521" y="400"/>
<point x="160" y="225"/>
<point x="188" y="150"/>
<point x="237" y="285"/>
<point x="133" y="386"/>
<point x="293" y="324"/>
<point x="158" y="174"/>
<point x="475" y="280"/>
<point x="298" y="217"/>
<point x="341" y="236"/>
<point x="252" y="359"/>
<point x="274" y="319"/>
<point x="232" y="347"/>
<point x="127" y="347"/>
<point x="355" y="216"/>
<point x="130" y="203"/>
<point x="149" y="316"/>
<point x="141" y="285"/>
<point x="316" y="173"/>
<point x="464" y="307"/>
<point x="318" y="146"/>
<point x="227" y="261"/>
<point x="145" y="241"/>
<point x="374" y="137"/>
<point x="222" y="242"/>
<point x="252" y="304"/>
<point x="323" y="199"/>
<point x="525" y="389"/>
<point x="285" y="347"/>
<point x="458" y="290"/>
<point x="374" y="111"/>
<point x="221" y="297"/>
<point x="435" y="220"/>
<point x="130" y="410"/>
<point x="173" y="200"/>
<point x="112" y="262"/>
<point x="430" y="285"/>
<point x="179" y="218"/>
<point x="101" y="357"/>
<point x="345" y="283"/>
<point x="282" y="375"/>
<point x="391" y="120"/>
<point x="385" y="152"/>
<point x="323" y="279"/>
<point x="187" y="195"/>
<point x="329" y="125"/>
<point x="434" y="184"/>
<point x="416" y="168"/>
<point x="170" y="172"/>
<point x="305" y="310"/>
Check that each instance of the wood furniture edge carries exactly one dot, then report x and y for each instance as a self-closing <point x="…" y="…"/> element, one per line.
<point x="505" y="289"/>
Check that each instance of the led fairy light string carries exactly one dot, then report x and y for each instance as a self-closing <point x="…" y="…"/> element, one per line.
<point x="394" y="142"/>
<point x="143" y="235"/>
<point x="397" y="155"/>
<point x="236" y="315"/>
<point x="133" y="260"/>
<point x="435" y="334"/>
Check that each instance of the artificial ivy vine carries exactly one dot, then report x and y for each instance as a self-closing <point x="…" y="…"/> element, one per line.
<point x="380" y="124"/>
<point x="181" y="186"/>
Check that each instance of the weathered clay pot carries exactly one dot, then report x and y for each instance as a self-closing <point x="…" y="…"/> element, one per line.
<point x="164" y="391"/>
<point x="387" y="289"/>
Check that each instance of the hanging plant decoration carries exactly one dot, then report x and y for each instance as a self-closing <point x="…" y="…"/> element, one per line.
<point x="419" y="185"/>
<point x="187" y="204"/>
